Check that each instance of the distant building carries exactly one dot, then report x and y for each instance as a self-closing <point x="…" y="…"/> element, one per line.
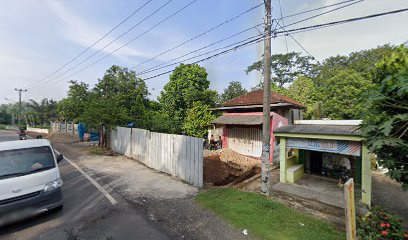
<point x="240" y="126"/>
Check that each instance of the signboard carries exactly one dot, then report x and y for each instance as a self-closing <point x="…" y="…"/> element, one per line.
<point x="325" y="145"/>
<point x="350" y="209"/>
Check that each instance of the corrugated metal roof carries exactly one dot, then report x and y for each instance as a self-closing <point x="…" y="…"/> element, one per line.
<point x="321" y="129"/>
<point x="239" y="120"/>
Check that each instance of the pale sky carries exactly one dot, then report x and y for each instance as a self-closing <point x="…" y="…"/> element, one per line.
<point x="38" y="37"/>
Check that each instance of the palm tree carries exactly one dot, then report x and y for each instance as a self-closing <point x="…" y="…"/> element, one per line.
<point x="46" y="110"/>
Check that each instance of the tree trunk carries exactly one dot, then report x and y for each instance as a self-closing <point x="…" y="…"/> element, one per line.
<point x="100" y="143"/>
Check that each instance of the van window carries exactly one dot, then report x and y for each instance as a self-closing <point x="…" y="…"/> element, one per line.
<point x="19" y="162"/>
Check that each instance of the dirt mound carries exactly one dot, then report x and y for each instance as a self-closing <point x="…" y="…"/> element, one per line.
<point x="62" y="137"/>
<point x="228" y="167"/>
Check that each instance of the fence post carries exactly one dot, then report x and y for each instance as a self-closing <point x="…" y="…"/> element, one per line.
<point x="66" y="126"/>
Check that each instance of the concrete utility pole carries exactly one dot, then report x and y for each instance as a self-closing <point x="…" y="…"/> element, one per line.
<point x="19" y="105"/>
<point x="266" y="127"/>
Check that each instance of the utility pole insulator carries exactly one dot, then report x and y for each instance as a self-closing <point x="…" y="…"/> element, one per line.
<point x="266" y="127"/>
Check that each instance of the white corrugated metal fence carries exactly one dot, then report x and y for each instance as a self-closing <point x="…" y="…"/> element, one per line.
<point x="180" y="156"/>
<point x="246" y="141"/>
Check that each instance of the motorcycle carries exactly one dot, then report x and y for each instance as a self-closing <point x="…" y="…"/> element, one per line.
<point x="22" y="135"/>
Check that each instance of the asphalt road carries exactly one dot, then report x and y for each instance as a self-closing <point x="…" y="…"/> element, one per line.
<point x="87" y="213"/>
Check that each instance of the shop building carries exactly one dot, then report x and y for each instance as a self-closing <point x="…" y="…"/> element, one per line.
<point x="329" y="149"/>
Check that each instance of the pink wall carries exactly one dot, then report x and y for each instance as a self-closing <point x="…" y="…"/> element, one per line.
<point x="276" y="122"/>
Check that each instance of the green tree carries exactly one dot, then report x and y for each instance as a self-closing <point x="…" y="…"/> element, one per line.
<point x="188" y="84"/>
<point x="274" y="88"/>
<point x="157" y="120"/>
<point x="129" y="91"/>
<point x="8" y="113"/>
<point x="340" y="95"/>
<point x="362" y="62"/>
<point x="197" y="120"/>
<point x="72" y="107"/>
<point x="286" y="67"/>
<point x="117" y="99"/>
<point x="233" y="90"/>
<point x="385" y="123"/>
<point x="104" y="113"/>
<point x="304" y="91"/>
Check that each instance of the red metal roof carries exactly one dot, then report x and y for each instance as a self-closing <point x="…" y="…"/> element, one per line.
<point x="256" y="97"/>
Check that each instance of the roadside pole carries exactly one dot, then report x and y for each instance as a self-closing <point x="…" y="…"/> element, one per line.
<point x="266" y="126"/>
<point x="19" y="105"/>
<point x="350" y="211"/>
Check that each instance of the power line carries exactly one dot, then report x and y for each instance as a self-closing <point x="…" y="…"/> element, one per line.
<point x="282" y="32"/>
<point x="317" y="26"/>
<point x="170" y="16"/>
<point x="245" y="44"/>
<point x="312" y="10"/>
<point x="298" y="43"/>
<point x="281" y="18"/>
<point x="283" y="23"/>
<point x="114" y="40"/>
<point x="133" y="39"/>
<point x="199" y="35"/>
<point x="206" y="53"/>
<point x="93" y="44"/>
<point x="199" y="49"/>
<point x="315" y="9"/>
<point x="323" y="13"/>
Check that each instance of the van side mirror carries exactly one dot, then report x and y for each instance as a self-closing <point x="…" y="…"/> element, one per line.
<point x="59" y="157"/>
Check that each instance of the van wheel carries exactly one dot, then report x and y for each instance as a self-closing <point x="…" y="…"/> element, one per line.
<point x="56" y="209"/>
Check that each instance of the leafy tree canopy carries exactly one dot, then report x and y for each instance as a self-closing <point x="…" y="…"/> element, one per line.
<point x="188" y="84"/>
<point x="286" y="67"/>
<point x="73" y="106"/>
<point x="197" y="120"/>
<point x="120" y="85"/>
<point x="304" y="91"/>
<point x="362" y="62"/>
<point x="233" y="90"/>
<point x="340" y="95"/>
<point x="385" y="123"/>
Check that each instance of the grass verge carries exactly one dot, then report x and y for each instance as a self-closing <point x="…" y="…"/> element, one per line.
<point x="97" y="150"/>
<point x="265" y="218"/>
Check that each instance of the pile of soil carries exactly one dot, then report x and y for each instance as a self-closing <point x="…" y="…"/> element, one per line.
<point x="62" y="137"/>
<point x="226" y="167"/>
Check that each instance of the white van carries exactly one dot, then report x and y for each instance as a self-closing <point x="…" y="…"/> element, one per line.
<point x="30" y="181"/>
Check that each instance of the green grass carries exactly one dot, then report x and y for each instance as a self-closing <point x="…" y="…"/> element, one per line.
<point x="264" y="217"/>
<point x="97" y="150"/>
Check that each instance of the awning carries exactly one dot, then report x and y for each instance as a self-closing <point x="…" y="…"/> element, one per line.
<point x="239" y="120"/>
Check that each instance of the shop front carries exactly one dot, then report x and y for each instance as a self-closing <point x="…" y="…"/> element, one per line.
<point x="334" y="152"/>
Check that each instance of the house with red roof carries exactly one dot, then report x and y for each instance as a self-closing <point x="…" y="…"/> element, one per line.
<point x="240" y="125"/>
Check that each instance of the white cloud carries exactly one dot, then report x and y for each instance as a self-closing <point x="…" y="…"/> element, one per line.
<point x="81" y="32"/>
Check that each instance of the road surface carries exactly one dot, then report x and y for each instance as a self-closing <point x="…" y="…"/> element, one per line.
<point x="87" y="213"/>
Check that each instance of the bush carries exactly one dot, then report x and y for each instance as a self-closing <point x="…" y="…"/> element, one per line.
<point x="378" y="224"/>
<point x="373" y="160"/>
